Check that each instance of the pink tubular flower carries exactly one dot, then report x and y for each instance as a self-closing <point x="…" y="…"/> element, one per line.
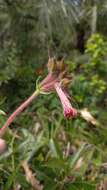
<point x="68" y="110"/>
<point x="54" y="81"/>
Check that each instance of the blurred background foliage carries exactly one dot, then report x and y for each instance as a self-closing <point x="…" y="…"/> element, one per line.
<point x="62" y="154"/>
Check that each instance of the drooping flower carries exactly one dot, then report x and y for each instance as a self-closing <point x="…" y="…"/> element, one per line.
<point x="56" y="80"/>
<point x="68" y="110"/>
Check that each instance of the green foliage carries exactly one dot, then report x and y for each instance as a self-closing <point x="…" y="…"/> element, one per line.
<point x="62" y="154"/>
<point x="91" y="82"/>
<point x="8" y="64"/>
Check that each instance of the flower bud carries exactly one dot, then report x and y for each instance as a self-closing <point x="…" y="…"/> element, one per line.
<point x="60" y="65"/>
<point x="2" y="146"/>
<point x="65" y="82"/>
<point x="52" y="67"/>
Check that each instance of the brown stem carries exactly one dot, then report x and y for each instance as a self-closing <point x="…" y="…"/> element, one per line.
<point x="17" y="111"/>
<point x="30" y="177"/>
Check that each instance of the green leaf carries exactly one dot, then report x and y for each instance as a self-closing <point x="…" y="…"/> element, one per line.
<point x="75" y="158"/>
<point x="57" y="163"/>
<point x="30" y="144"/>
<point x="2" y="112"/>
<point x="55" y="149"/>
<point x="80" y="186"/>
<point x="11" y="178"/>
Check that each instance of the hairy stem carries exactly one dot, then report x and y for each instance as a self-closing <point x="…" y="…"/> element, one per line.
<point x="18" y="111"/>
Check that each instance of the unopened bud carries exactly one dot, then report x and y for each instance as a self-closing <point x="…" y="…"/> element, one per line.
<point x="52" y="67"/>
<point x="2" y="146"/>
<point x="61" y="65"/>
<point x="65" y="82"/>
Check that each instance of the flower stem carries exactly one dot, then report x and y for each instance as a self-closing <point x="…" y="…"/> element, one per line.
<point x="18" y="111"/>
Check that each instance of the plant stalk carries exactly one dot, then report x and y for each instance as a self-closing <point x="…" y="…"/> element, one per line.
<point x="18" y="111"/>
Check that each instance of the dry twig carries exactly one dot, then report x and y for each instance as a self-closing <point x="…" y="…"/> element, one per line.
<point x="30" y="177"/>
<point x="86" y="115"/>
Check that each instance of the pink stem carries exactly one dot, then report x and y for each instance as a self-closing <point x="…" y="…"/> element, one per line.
<point x="17" y="111"/>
